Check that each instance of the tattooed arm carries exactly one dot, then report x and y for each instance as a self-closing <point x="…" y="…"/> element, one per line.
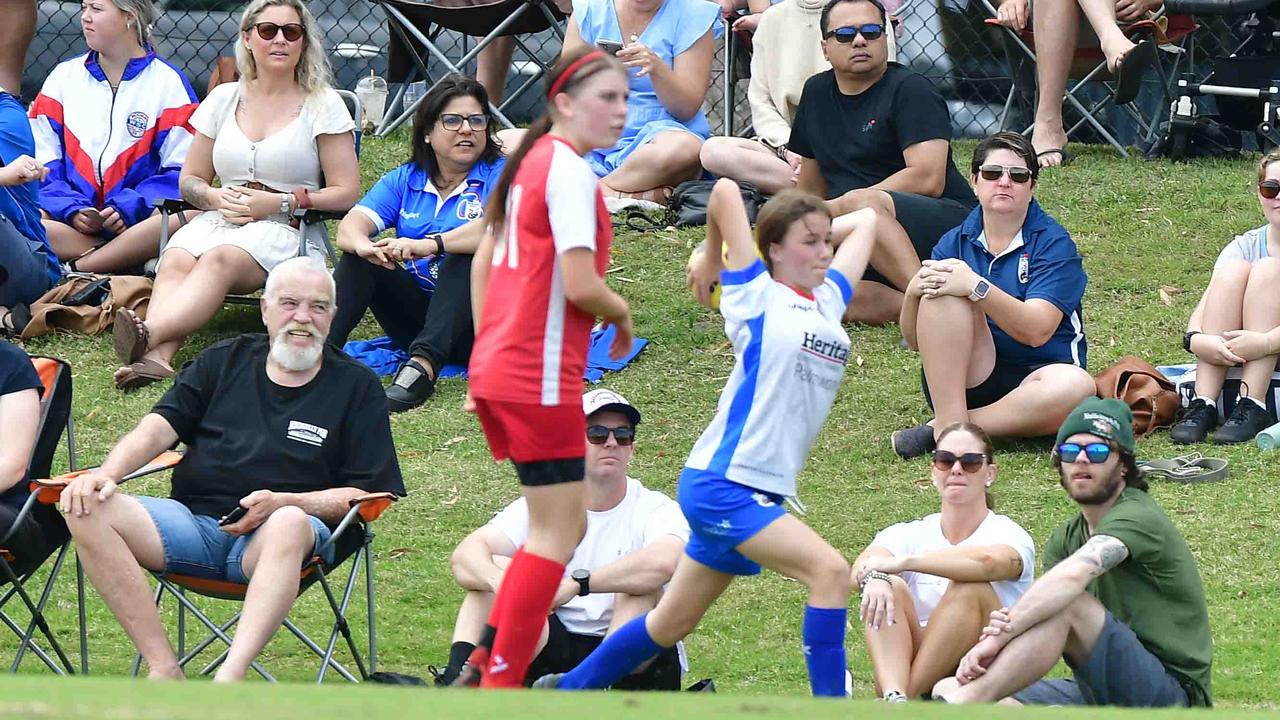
<point x="197" y="173"/>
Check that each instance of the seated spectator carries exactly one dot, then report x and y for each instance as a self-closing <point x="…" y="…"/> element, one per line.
<point x="996" y="314"/>
<point x="873" y="134"/>
<point x="272" y="138"/>
<point x="43" y="529"/>
<point x="435" y="202"/>
<point x="113" y="129"/>
<point x="1237" y="323"/>
<point x="28" y="266"/>
<point x="16" y="32"/>
<point x="1056" y="25"/>
<point x="1120" y="599"/>
<point x="633" y="540"/>
<point x="667" y="46"/>
<point x="279" y="424"/>
<point x="929" y="585"/>
<point x="787" y="51"/>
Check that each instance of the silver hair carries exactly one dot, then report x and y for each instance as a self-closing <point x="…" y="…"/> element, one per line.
<point x="313" y="73"/>
<point x="144" y="16"/>
<point x="298" y="264"/>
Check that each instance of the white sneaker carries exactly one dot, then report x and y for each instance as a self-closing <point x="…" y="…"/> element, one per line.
<point x="616" y="205"/>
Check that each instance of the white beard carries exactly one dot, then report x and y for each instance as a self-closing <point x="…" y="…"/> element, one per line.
<point x="295" y="359"/>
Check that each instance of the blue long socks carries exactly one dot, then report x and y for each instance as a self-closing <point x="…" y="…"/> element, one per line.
<point x="824" y="650"/>
<point x="620" y="654"/>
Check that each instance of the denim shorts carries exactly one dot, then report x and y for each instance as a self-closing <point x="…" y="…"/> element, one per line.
<point x="1121" y="671"/>
<point x="195" y="545"/>
<point x="722" y="515"/>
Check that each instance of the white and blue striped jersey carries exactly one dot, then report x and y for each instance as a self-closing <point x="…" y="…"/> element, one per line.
<point x="790" y="352"/>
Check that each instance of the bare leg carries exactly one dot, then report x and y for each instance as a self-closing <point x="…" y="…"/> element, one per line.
<point x="131" y="248"/>
<point x="1261" y="313"/>
<point x="792" y="548"/>
<point x="1038" y="406"/>
<point x="557" y="520"/>
<point x="1223" y="310"/>
<point x="1102" y="17"/>
<point x="474" y="614"/>
<point x="509" y="139"/>
<point x="1057" y="26"/>
<point x="957" y="352"/>
<point x="114" y="543"/>
<point x="272" y="562"/>
<point x="16" y="31"/>
<point x="954" y="626"/>
<point x="68" y="242"/>
<point x="893" y="255"/>
<point x="892" y="647"/>
<point x="669" y="158"/>
<point x="874" y="304"/>
<point x="627" y="608"/>
<point x="492" y="65"/>
<point x="746" y="161"/>
<point x="692" y="590"/>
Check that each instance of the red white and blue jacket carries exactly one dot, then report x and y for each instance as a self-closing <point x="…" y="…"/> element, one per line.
<point x="121" y="148"/>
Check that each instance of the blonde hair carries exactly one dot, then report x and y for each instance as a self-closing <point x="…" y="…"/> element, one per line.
<point x="144" y="16"/>
<point x="1271" y="157"/>
<point x="313" y="73"/>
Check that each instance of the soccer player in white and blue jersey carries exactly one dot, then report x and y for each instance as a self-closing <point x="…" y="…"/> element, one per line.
<point x="782" y="312"/>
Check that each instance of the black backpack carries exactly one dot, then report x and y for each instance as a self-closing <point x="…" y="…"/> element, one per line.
<point x="688" y="204"/>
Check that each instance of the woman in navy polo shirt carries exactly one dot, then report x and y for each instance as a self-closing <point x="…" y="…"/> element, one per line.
<point x="434" y="203"/>
<point x="996" y="313"/>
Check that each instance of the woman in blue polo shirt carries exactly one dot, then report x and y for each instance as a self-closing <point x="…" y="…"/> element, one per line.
<point x="996" y="312"/>
<point x="434" y="203"/>
<point x="28" y="266"/>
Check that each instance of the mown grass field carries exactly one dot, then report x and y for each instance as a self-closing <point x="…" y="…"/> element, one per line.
<point x="1140" y="226"/>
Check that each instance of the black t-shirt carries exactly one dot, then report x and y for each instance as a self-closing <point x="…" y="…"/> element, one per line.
<point x="16" y="374"/>
<point x="246" y="433"/>
<point x="858" y="140"/>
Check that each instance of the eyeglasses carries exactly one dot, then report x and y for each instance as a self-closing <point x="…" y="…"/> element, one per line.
<point x="1096" y="452"/>
<point x="969" y="462"/>
<point x="598" y="434"/>
<point x="992" y="173"/>
<point x="453" y="121"/>
<point x="846" y="34"/>
<point x="1269" y="189"/>
<point x="267" y="31"/>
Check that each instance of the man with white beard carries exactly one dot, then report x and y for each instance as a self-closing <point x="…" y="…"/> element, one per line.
<point x="278" y="425"/>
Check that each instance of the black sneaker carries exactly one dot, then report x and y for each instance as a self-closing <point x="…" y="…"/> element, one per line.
<point x="914" y="442"/>
<point x="1198" y="420"/>
<point x="1246" y="421"/>
<point x="441" y="678"/>
<point x="410" y="388"/>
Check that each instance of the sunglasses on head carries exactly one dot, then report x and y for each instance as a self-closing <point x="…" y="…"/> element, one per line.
<point x="1269" y="189"/>
<point x="267" y="31"/>
<point x="969" y="462"/>
<point x="992" y="173"/>
<point x="453" y="121"/>
<point x="599" y="434"/>
<point x="1096" y="452"/>
<point x="846" y="34"/>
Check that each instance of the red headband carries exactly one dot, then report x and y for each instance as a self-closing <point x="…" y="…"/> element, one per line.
<point x="569" y="71"/>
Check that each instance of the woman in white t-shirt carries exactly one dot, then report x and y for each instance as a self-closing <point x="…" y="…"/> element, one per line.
<point x="272" y="139"/>
<point x="928" y="586"/>
<point x="1237" y="323"/>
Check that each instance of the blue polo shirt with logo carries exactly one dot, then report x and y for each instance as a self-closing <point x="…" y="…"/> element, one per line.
<point x="1041" y="262"/>
<point x="406" y="200"/>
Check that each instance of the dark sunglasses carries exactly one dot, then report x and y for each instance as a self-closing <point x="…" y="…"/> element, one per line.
<point x="598" y="434"/>
<point x="1096" y="452"/>
<point x="969" y="462"/>
<point x="1269" y="189"/>
<point x="992" y="173"/>
<point x="453" y="121"/>
<point x="267" y="31"/>
<point x="846" y="34"/>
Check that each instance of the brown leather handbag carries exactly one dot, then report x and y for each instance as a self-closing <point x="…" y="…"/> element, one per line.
<point x="1148" y="393"/>
<point x="56" y="309"/>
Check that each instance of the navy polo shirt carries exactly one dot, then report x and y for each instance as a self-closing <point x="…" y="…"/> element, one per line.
<point x="406" y="200"/>
<point x="1041" y="262"/>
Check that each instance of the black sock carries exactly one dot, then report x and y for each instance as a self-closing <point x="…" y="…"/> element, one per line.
<point x="458" y="654"/>
<point x="487" y="637"/>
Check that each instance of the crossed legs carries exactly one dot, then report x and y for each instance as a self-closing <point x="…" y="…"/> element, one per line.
<point x="1241" y="296"/>
<point x="746" y="160"/>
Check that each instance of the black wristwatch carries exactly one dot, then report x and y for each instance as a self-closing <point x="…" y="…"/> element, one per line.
<point x="439" y="242"/>
<point x="583" y="578"/>
<point x="1186" y="339"/>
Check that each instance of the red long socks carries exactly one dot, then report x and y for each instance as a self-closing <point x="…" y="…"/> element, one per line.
<point x="520" y="609"/>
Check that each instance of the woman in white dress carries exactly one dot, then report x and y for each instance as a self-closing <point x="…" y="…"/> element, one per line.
<point x="272" y="139"/>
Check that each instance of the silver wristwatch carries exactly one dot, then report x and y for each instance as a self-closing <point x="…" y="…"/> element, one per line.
<point x="980" y="290"/>
<point x="284" y="203"/>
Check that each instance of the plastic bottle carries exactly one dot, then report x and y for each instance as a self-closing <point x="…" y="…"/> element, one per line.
<point x="372" y="92"/>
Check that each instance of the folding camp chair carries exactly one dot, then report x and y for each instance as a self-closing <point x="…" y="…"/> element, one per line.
<point x="416" y="28"/>
<point x="311" y="228"/>
<point x="351" y="539"/>
<point x="55" y="420"/>
<point x="1169" y="31"/>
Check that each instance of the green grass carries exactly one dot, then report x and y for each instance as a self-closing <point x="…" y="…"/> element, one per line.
<point x="1139" y="225"/>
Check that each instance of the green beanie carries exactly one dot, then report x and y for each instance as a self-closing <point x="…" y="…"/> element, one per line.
<point x="1110" y="419"/>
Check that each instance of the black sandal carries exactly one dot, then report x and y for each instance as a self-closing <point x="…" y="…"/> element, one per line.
<point x="15" y="321"/>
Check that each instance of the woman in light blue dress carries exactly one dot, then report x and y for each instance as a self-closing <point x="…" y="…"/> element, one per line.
<point x="667" y="46"/>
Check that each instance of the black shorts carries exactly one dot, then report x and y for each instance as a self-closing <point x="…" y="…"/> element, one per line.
<point x="1002" y="381"/>
<point x="925" y="220"/>
<point x="35" y="539"/>
<point x="565" y="650"/>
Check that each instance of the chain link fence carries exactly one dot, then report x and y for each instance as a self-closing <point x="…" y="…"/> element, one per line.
<point x="987" y="84"/>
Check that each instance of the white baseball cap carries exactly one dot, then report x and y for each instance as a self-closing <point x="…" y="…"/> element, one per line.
<point x="605" y="399"/>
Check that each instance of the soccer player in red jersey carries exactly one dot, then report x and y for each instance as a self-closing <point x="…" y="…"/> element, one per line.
<point x="537" y="289"/>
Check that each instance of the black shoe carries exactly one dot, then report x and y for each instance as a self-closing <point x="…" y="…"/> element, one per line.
<point x="1246" y="421"/>
<point x="441" y="678"/>
<point x="410" y="388"/>
<point x="1198" y="420"/>
<point x="914" y="442"/>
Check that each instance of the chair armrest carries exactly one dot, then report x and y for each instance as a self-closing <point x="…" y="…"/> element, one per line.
<point x="48" y="491"/>
<point x="311" y="215"/>
<point x="372" y="506"/>
<point x="170" y="205"/>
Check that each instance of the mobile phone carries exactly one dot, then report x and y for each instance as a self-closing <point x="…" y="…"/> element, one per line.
<point x="609" y="46"/>
<point x="233" y="516"/>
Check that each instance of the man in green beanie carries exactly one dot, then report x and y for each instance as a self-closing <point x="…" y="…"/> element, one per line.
<point x="1121" y="599"/>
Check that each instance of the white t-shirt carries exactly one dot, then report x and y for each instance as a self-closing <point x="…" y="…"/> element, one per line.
<point x="790" y="352"/>
<point x="925" y="535"/>
<point x="643" y="516"/>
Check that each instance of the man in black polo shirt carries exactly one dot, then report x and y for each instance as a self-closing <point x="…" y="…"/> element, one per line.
<point x="871" y="133"/>
<point x="281" y="425"/>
